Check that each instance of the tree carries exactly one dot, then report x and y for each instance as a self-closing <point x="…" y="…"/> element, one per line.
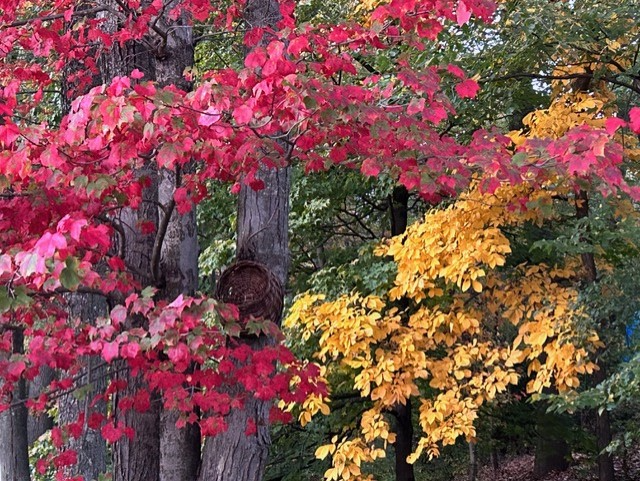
<point x="87" y="203"/>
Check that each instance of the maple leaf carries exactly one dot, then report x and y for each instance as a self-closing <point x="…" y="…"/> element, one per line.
<point x="109" y="350"/>
<point x="634" y="119"/>
<point x="168" y="155"/>
<point x="69" y="457"/>
<point x="242" y="114"/>
<point x="467" y="89"/>
<point x="111" y="433"/>
<point x="209" y="117"/>
<point x="370" y="168"/>
<point x="463" y="14"/>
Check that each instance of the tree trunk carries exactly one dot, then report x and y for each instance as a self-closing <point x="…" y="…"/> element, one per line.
<point x="473" y="461"/>
<point x="138" y="459"/>
<point x="39" y="424"/>
<point x="603" y="424"/>
<point x="404" y="441"/>
<point x="262" y="237"/>
<point x="552" y="450"/>
<point x="90" y="447"/>
<point x="399" y="209"/>
<point x="399" y="214"/>
<point x="179" y="448"/>
<point x="14" y="449"/>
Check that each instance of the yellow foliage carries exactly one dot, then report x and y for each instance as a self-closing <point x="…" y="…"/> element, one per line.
<point x="450" y="338"/>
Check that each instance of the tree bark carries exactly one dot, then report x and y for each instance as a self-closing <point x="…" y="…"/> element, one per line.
<point x="473" y="461"/>
<point x="138" y="459"/>
<point x="262" y="237"/>
<point x="404" y="441"/>
<point x="91" y="448"/>
<point x="399" y="215"/>
<point x="14" y="449"/>
<point x="39" y="424"/>
<point x="603" y="423"/>
<point x="179" y="448"/>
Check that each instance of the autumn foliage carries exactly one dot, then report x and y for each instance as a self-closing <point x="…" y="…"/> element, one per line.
<point x="302" y="97"/>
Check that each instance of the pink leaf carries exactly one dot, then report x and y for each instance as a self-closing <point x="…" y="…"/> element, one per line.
<point x="48" y="244"/>
<point x="242" y="114"/>
<point x="109" y="351"/>
<point x="634" y="119"/>
<point x="209" y="117"/>
<point x="613" y="123"/>
<point x="118" y="315"/>
<point x="463" y="14"/>
<point x="467" y="89"/>
<point x="370" y="167"/>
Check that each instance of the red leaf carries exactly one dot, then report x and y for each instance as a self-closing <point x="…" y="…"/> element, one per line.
<point x="463" y="14"/>
<point x="183" y="201"/>
<point x="66" y="458"/>
<point x="109" y="351"/>
<point x="71" y="226"/>
<point x="455" y="70"/>
<point x="251" y="427"/>
<point x="634" y="119"/>
<point x="467" y="89"/>
<point x="613" y="123"/>
<point x="580" y="164"/>
<point x="110" y="433"/>
<point x="370" y="167"/>
<point x="42" y="465"/>
<point x="242" y="114"/>
<point x="297" y="45"/>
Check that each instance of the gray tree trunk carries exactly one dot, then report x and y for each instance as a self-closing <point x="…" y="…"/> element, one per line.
<point x="262" y="233"/>
<point x="263" y="237"/>
<point x="39" y="424"/>
<point x="90" y="446"/>
<point x="14" y="449"/>
<point x="136" y="459"/>
<point x="179" y="448"/>
<point x="473" y="461"/>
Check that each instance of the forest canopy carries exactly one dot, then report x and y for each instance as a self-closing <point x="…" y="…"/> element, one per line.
<point x="269" y="239"/>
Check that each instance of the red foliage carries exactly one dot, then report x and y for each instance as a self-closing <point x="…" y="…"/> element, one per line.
<point x="59" y="184"/>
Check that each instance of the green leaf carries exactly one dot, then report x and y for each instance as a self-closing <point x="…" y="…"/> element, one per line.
<point x="69" y="277"/>
<point x="5" y="300"/>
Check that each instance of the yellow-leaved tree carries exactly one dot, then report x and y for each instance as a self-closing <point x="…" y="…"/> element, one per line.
<point x="456" y="329"/>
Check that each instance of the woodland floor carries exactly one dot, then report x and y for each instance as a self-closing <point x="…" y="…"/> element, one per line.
<point x="520" y="468"/>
